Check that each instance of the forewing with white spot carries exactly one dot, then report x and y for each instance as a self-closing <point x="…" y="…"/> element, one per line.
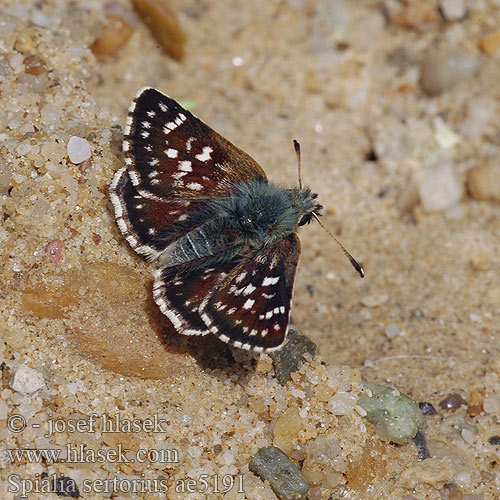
<point x="251" y="307"/>
<point x="148" y="225"/>
<point x="171" y="154"/>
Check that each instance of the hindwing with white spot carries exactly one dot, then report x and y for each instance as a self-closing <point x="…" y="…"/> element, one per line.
<point x="251" y="307"/>
<point x="179" y="293"/>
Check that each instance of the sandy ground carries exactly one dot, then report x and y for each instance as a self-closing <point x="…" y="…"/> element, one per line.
<point x="387" y="151"/>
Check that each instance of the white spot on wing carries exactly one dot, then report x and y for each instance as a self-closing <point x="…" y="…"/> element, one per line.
<point x="270" y="281"/>
<point x="195" y="186"/>
<point x="248" y="304"/>
<point x="205" y="154"/>
<point x="185" y="166"/>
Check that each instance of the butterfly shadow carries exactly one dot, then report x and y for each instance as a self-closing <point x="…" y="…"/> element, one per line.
<point x="213" y="356"/>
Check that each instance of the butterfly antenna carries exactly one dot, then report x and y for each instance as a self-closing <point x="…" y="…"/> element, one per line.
<point x="296" y="145"/>
<point x="352" y="260"/>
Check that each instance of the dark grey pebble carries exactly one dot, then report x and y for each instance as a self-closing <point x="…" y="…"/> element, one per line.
<point x="286" y="480"/>
<point x="452" y="402"/>
<point x="289" y="358"/>
<point x="427" y="409"/>
<point x="421" y="445"/>
<point x="494" y="440"/>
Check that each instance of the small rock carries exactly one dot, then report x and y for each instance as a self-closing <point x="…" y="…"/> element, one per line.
<point x="427" y="409"/>
<point x="421" y="444"/>
<point x="396" y="417"/>
<point x="342" y="403"/>
<point x="434" y="471"/>
<point x="453" y="10"/>
<point x="323" y="455"/>
<point x="162" y="22"/>
<point x="392" y="330"/>
<point x="27" y="380"/>
<point x="54" y="250"/>
<point x="444" y="135"/>
<point x="289" y="358"/>
<point x="286" y="480"/>
<point x="494" y="440"/>
<point x="490" y="43"/>
<point x="442" y="69"/>
<point x="4" y="410"/>
<point x="491" y="404"/>
<point x="483" y="182"/>
<point x="50" y="114"/>
<point x="114" y="36"/>
<point x="5" y="178"/>
<point x="452" y="402"/>
<point x="65" y="487"/>
<point x="286" y="429"/>
<point x="78" y="149"/>
<point x="440" y="188"/>
<point x="375" y="299"/>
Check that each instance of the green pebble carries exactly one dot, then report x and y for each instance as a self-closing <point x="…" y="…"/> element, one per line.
<point x="286" y="480"/>
<point x="396" y="417"/>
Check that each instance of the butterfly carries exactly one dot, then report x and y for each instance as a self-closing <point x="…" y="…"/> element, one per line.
<point x="224" y="238"/>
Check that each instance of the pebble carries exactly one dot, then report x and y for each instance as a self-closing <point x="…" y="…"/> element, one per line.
<point x="434" y="471"/>
<point x="5" y="178"/>
<point x="289" y="358"/>
<point x="494" y="440"/>
<point x="286" y="429"/>
<point x="66" y="487"/>
<point x="114" y="36"/>
<point x="396" y="417"/>
<point x="286" y="480"/>
<point x="452" y="402"/>
<point x="442" y="69"/>
<point x="322" y="457"/>
<point x="483" y="182"/>
<point x="375" y="299"/>
<point x="440" y="188"/>
<point x="78" y="149"/>
<point x="163" y="24"/>
<point x="392" y="330"/>
<point x="342" y="403"/>
<point x="427" y="409"/>
<point x="491" y="404"/>
<point x="54" y="250"/>
<point x="453" y="10"/>
<point x="4" y="410"/>
<point x="421" y="444"/>
<point x="27" y="380"/>
<point x="445" y="136"/>
<point x="50" y="114"/>
<point x="490" y="43"/>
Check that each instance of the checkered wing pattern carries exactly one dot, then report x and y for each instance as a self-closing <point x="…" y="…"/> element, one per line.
<point x="251" y="307"/>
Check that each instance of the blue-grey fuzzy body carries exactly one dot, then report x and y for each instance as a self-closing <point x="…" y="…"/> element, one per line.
<point x="254" y="215"/>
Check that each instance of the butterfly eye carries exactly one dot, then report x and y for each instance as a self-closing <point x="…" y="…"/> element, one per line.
<point x="305" y="219"/>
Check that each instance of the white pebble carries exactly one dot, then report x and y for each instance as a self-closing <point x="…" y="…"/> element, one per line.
<point x="440" y="187"/>
<point x="475" y="317"/>
<point x="453" y="10"/>
<point x="27" y="380"/>
<point x="392" y="330"/>
<point x="491" y="404"/>
<point x="4" y="410"/>
<point x="445" y="136"/>
<point x="374" y="299"/>
<point x="78" y="149"/>
<point x="343" y="403"/>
